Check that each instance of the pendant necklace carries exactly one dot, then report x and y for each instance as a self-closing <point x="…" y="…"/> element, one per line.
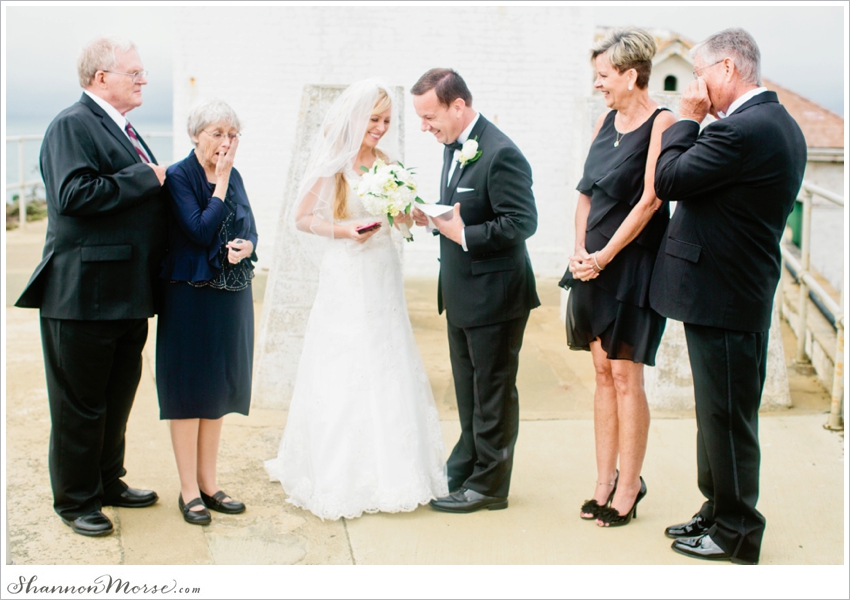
<point x="619" y="137"/>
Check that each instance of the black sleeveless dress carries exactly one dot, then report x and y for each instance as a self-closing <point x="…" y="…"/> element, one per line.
<point x="614" y="307"/>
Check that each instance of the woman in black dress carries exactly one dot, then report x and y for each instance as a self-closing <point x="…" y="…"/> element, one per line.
<point x="205" y="331"/>
<point x="619" y="226"/>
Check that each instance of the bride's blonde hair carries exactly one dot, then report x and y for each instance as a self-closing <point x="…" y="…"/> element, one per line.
<point x="383" y="104"/>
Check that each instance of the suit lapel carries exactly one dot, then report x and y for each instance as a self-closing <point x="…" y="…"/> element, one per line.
<point x="145" y="146"/>
<point x="476" y="132"/>
<point x="767" y="96"/>
<point x="113" y="129"/>
<point x="447" y="158"/>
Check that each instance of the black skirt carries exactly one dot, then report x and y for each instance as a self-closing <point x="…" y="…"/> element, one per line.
<point x="614" y="307"/>
<point x="204" y="352"/>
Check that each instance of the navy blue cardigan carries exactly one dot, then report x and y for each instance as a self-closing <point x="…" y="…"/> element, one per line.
<point x="196" y="218"/>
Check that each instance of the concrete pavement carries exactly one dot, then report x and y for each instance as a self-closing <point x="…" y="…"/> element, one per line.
<point x="803" y="471"/>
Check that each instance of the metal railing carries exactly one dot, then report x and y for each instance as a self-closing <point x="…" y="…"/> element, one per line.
<point x="22" y="184"/>
<point x="809" y="285"/>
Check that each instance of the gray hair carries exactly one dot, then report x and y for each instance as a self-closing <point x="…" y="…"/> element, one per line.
<point x="628" y="48"/>
<point x="736" y="44"/>
<point x="204" y="114"/>
<point x="99" y="55"/>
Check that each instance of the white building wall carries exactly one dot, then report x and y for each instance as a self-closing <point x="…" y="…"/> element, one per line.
<point x="525" y="67"/>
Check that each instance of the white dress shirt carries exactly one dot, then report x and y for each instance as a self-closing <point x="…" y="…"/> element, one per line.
<point x="110" y="110"/>
<point x="740" y="101"/>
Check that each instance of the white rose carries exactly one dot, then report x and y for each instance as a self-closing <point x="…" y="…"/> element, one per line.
<point x="470" y="147"/>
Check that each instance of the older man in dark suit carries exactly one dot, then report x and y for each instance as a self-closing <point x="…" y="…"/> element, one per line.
<point x="95" y="285"/>
<point x="717" y="271"/>
<point x="486" y="285"/>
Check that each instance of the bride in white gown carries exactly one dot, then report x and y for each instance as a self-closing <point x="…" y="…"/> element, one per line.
<point x="362" y="433"/>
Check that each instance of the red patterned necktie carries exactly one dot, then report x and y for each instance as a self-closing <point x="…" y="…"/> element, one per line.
<point x="134" y="139"/>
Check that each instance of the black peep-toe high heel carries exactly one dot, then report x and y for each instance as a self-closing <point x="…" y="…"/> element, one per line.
<point x="611" y="518"/>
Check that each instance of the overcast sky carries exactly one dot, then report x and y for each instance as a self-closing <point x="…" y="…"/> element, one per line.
<point x="803" y="48"/>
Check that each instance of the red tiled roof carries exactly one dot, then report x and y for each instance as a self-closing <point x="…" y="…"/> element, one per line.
<point x="821" y="127"/>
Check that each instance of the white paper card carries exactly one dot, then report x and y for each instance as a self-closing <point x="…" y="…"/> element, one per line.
<point x="435" y="210"/>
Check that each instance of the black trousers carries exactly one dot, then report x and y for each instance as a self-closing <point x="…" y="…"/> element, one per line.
<point x="93" y="369"/>
<point x="485" y="361"/>
<point x="729" y="371"/>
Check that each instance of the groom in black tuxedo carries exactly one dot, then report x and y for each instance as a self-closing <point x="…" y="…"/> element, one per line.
<point x="717" y="271"/>
<point x="486" y="284"/>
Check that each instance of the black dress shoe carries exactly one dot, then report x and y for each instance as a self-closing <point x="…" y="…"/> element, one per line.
<point x="466" y="501"/>
<point x="195" y="517"/>
<point x="700" y="547"/>
<point x="216" y="502"/>
<point x="132" y="498"/>
<point x="697" y="526"/>
<point x="92" y="524"/>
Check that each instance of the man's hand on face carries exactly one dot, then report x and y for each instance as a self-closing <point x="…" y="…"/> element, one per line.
<point x="695" y="101"/>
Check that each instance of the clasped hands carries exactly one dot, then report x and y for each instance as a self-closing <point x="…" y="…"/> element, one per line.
<point x="584" y="266"/>
<point x="450" y="225"/>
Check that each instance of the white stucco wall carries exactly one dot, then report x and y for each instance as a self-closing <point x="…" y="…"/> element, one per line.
<point x="525" y="67"/>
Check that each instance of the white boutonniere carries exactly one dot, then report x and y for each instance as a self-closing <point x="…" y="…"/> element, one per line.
<point x="469" y="153"/>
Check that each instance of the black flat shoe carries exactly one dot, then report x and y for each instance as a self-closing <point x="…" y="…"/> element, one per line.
<point x="592" y="507"/>
<point x="92" y="524"/>
<point x="611" y="518"/>
<point x="466" y="501"/>
<point x="216" y="502"/>
<point x="132" y="498"/>
<point x="697" y="526"/>
<point x="700" y="547"/>
<point x="195" y="517"/>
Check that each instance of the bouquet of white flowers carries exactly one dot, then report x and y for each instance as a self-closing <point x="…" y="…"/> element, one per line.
<point x="389" y="190"/>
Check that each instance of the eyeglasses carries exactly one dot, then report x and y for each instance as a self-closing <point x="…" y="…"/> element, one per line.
<point x="697" y="72"/>
<point x="137" y="75"/>
<point x="217" y="135"/>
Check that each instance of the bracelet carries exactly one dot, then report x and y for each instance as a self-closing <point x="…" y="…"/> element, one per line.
<point x="596" y="264"/>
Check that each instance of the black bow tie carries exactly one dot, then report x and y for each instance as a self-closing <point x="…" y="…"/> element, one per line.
<point x="455" y="145"/>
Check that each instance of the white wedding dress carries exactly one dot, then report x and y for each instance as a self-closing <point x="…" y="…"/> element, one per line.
<point x="363" y="433"/>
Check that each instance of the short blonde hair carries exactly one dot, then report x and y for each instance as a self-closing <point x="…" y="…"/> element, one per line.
<point x="628" y="48"/>
<point x="99" y="55"/>
<point x="204" y="114"/>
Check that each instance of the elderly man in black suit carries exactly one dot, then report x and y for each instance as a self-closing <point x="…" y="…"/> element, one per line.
<point x="486" y="284"/>
<point x="94" y="287"/>
<point x="717" y="271"/>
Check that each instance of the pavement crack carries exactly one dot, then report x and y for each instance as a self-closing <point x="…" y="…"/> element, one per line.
<point x="348" y="540"/>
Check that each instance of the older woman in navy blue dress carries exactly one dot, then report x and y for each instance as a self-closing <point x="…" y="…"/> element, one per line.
<point x="205" y="333"/>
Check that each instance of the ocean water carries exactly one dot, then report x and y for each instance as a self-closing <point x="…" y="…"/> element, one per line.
<point x="160" y="146"/>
